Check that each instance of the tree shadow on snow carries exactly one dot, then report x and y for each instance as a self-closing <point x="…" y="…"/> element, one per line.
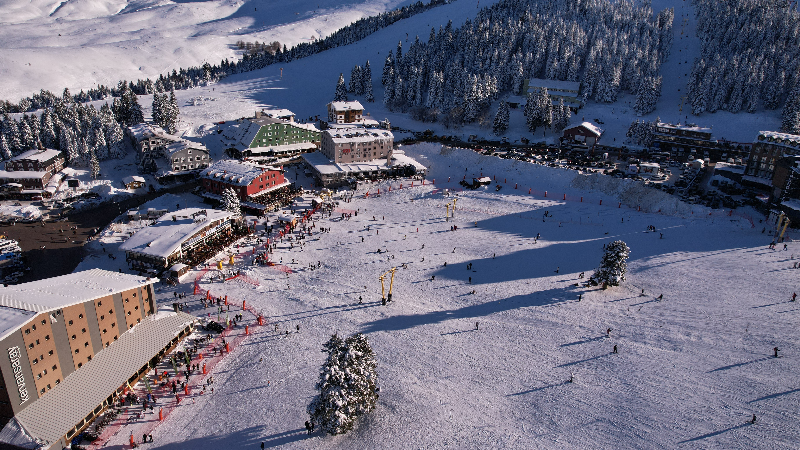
<point x="557" y="248"/>
<point x="248" y="438"/>
<point x="408" y="321"/>
<point x="715" y="433"/>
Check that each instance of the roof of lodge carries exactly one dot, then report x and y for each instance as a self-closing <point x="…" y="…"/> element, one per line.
<point x="70" y="289"/>
<point x="166" y="236"/>
<point x="238" y="173"/>
<point x="54" y="414"/>
<point x="346" y="106"/>
<point x="36" y="155"/>
<point x="20" y="302"/>
<point x="357" y="134"/>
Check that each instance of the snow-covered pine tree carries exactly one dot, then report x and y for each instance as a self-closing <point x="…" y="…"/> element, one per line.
<point x="500" y="124"/>
<point x="66" y="142"/>
<point x="341" y="90"/>
<point x="94" y="165"/>
<point x="366" y="82"/>
<point x="347" y="384"/>
<point x="388" y="90"/>
<point x="790" y="117"/>
<point x="47" y="131"/>
<point x="171" y="113"/>
<point x="613" y="265"/>
<point x="135" y="114"/>
<point x="355" y="81"/>
<point x="230" y="201"/>
<point x="158" y="109"/>
<point x="26" y="134"/>
<point x="388" y="70"/>
<point x="5" y="150"/>
<point x="97" y="140"/>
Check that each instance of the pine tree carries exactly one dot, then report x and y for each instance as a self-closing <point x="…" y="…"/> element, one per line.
<point x="355" y="81"/>
<point x="388" y="70"/>
<point x="500" y="124"/>
<point x="613" y="265"/>
<point x="5" y="150"/>
<point x="135" y="115"/>
<point x="341" y="90"/>
<point x="790" y="117"/>
<point x="94" y="165"/>
<point x="66" y="143"/>
<point x="230" y="201"/>
<point x="366" y="82"/>
<point x="171" y="113"/>
<point x="158" y="109"/>
<point x="347" y="384"/>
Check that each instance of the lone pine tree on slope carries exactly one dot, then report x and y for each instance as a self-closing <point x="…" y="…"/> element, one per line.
<point x="230" y="201"/>
<point x="347" y="384"/>
<point x="613" y="265"/>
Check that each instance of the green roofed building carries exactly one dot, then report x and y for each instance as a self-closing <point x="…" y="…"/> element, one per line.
<point x="264" y="138"/>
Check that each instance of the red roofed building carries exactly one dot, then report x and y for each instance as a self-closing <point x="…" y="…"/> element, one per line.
<point x="248" y="179"/>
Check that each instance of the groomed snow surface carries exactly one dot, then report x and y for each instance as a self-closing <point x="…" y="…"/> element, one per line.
<point x="690" y="372"/>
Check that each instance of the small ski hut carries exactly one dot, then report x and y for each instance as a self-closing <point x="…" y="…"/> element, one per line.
<point x="178" y="270"/>
<point x="583" y="133"/>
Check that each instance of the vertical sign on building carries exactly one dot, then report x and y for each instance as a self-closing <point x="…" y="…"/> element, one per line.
<point x="14" y="355"/>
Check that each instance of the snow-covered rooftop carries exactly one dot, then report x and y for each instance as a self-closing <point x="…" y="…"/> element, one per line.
<point x="37" y="155"/>
<point x="142" y="131"/>
<point x="70" y="289"/>
<point x="239" y="173"/>
<point x="166" y="236"/>
<point x="20" y="174"/>
<point x="784" y="139"/>
<point x="556" y="85"/>
<point x="278" y="113"/>
<point x="13" y="318"/>
<point x="184" y="144"/>
<point x="357" y="134"/>
<point x="597" y="131"/>
<point x="352" y="105"/>
<point x="327" y="167"/>
<point x="133" y="179"/>
<point x="685" y="127"/>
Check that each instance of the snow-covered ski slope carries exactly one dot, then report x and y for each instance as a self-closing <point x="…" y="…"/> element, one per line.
<point x="82" y="43"/>
<point x="690" y="371"/>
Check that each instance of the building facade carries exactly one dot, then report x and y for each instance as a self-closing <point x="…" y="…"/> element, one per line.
<point x="345" y="112"/>
<point x="248" y="179"/>
<point x="185" y="156"/>
<point x="767" y="149"/>
<point x="150" y="141"/>
<point x="585" y="133"/>
<point x="33" y="169"/>
<point x="58" y="329"/>
<point x="356" y="144"/>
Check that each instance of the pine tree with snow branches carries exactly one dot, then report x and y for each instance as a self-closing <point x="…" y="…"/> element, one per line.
<point x="231" y="202"/>
<point x="94" y="165"/>
<point x="500" y="124"/>
<point x="613" y="265"/>
<point x="366" y="83"/>
<point x="341" y="90"/>
<point x="347" y="384"/>
<point x="355" y="81"/>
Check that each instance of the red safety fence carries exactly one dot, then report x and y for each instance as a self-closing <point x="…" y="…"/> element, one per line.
<point x="166" y="400"/>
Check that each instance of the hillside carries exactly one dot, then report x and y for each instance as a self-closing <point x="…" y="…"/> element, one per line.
<point x="691" y="369"/>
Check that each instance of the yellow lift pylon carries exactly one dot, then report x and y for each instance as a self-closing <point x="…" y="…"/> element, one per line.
<point x="384" y="298"/>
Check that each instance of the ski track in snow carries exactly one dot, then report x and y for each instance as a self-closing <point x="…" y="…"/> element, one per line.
<point x="690" y="372"/>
